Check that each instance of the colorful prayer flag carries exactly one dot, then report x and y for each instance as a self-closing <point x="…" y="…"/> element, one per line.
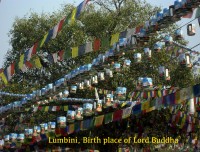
<point x="88" y="47"/>
<point x="73" y="16"/>
<point x="108" y="118"/>
<point x="10" y="70"/>
<point x="44" y="39"/>
<point x="126" y="112"/>
<point x="3" y="78"/>
<point x="74" y="52"/>
<point x="21" y="61"/>
<point x="37" y="63"/>
<point x="58" y="28"/>
<point x="114" y="39"/>
<point x="117" y="115"/>
<point x="81" y="50"/>
<point x="67" y="54"/>
<point x="96" y="44"/>
<point x="32" y="51"/>
<point x="71" y="128"/>
<point x="81" y="7"/>
<point x="98" y="121"/>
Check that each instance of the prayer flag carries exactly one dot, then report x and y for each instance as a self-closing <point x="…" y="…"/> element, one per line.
<point x="114" y="39"/>
<point x="74" y="52"/>
<point x="108" y="118"/>
<point x="98" y="121"/>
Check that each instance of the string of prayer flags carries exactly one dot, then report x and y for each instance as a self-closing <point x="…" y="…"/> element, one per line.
<point x="182" y="119"/>
<point x="51" y="34"/>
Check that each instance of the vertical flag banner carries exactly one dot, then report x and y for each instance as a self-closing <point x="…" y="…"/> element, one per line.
<point x="49" y="36"/>
<point x="96" y="44"/>
<point x="55" y="57"/>
<point x="37" y="63"/>
<point x="81" y="7"/>
<point x="81" y="50"/>
<point x="74" y="52"/>
<point x="21" y="61"/>
<point x="98" y="121"/>
<point x="73" y="16"/>
<point x="114" y="39"/>
<point x="3" y="77"/>
<point x="67" y="54"/>
<point x="61" y="55"/>
<point x="32" y="51"/>
<point x="88" y="47"/>
<point x="43" y="40"/>
<point x="10" y="71"/>
<point x="58" y="28"/>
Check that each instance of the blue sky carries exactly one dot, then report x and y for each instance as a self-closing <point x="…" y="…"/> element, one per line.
<point x="9" y="9"/>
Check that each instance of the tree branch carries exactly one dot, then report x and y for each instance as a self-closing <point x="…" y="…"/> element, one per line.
<point x="100" y="3"/>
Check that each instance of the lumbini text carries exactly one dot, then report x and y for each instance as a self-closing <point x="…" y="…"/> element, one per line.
<point x="63" y="140"/>
<point x="155" y="140"/>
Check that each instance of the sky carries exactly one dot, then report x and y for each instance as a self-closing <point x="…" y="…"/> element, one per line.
<point x="10" y="9"/>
